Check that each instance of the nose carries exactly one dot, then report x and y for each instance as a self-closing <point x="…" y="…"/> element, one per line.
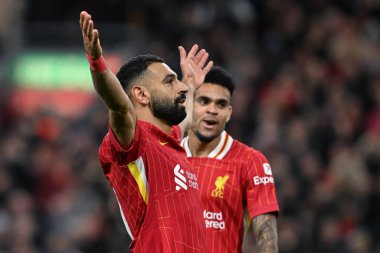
<point x="182" y="87"/>
<point x="212" y="108"/>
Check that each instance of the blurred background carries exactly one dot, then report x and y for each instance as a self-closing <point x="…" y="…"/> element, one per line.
<point x="308" y="97"/>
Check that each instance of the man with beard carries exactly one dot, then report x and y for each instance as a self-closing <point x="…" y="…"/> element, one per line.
<point x="141" y="156"/>
<point x="235" y="181"/>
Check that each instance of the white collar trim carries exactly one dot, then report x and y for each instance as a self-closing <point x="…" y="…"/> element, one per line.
<point x="219" y="151"/>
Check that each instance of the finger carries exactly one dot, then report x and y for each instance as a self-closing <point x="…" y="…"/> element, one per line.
<point x="86" y="19"/>
<point x="95" y="37"/>
<point x="85" y="25"/>
<point x="90" y="29"/>
<point x="199" y="56"/>
<point x="208" y="67"/>
<point x="84" y="13"/>
<point x="192" y="52"/>
<point x="192" y="66"/>
<point x="81" y="19"/>
<point x="182" y="53"/>
<point x="202" y="62"/>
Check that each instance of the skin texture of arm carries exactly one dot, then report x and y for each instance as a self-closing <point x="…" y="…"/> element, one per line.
<point x="194" y="69"/>
<point x="108" y="87"/>
<point x="265" y="230"/>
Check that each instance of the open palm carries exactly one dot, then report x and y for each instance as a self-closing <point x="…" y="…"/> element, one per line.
<point x="193" y="66"/>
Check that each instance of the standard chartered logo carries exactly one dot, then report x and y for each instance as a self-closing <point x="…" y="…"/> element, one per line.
<point x="179" y="178"/>
<point x="214" y="220"/>
<point x="183" y="179"/>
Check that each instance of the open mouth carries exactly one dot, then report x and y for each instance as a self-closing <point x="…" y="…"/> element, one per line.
<point x="209" y="123"/>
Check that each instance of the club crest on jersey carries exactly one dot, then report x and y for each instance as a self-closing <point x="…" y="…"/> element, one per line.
<point x="219" y="186"/>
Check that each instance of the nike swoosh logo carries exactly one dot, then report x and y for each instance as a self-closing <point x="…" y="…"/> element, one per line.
<point x="163" y="143"/>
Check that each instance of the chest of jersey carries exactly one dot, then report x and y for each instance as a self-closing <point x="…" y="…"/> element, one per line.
<point x="167" y="173"/>
<point x="157" y="192"/>
<point x="220" y="187"/>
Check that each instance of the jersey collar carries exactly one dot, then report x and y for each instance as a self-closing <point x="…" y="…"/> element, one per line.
<point x="219" y="151"/>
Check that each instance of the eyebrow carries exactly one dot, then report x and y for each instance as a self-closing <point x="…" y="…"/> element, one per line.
<point x="168" y="77"/>
<point x="221" y="100"/>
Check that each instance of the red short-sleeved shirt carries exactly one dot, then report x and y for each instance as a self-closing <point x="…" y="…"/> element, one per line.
<point x="236" y="184"/>
<point x="156" y="189"/>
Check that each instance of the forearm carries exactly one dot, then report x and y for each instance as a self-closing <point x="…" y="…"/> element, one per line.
<point x="265" y="230"/>
<point x="106" y="84"/>
<point x="122" y="118"/>
<point x="110" y="90"/>
<point x="189" y="103"/>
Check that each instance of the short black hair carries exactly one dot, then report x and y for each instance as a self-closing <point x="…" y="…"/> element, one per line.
<point x="219" y="76"/>
<point x="135" y="68"/>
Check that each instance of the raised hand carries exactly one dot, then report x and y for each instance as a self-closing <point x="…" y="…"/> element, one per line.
<point x="193" y="66"/>
<point x="90" y="36"/>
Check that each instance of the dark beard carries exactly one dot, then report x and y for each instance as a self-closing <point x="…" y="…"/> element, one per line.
<point x="168" y="111"/>
<point x="203" y="138"/>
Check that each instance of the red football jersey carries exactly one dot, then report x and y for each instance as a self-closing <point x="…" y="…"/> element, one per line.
<point x="236" y="184"/>
<point x="156" y="189"/>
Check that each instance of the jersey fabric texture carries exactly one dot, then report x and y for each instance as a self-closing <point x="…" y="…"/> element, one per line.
<point x="156" y="190"/>
<point x="236" y="185"/>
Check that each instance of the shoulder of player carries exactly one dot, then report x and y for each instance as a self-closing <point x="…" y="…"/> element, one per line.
<point x="244" y="148"/>
<point x="247" y="151"/>
<point x="147" y="127"/>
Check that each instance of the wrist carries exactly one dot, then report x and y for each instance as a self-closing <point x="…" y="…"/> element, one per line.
<point x="97" y="65"/>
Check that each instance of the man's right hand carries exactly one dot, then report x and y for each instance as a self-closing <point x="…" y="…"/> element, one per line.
<point x="90" y="36"/>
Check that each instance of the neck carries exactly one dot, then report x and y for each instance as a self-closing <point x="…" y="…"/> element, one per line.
<point x="147" y="116"/>
<point x="199" y="148"/>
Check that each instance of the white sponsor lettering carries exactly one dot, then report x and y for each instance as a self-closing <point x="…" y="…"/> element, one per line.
<point x="191" y="176"/>
<point x="193" y="184"/>
<point x="263" y="180"/>
<point x="192" y="180"/>
<point x="214" y="220"/>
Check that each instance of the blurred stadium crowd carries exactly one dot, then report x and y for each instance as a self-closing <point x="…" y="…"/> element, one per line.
<point x="308" y="97"/>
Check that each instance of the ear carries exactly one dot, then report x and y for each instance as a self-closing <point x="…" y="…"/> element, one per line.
<point x="141" y="94"/>
<point x="229" y="113"/>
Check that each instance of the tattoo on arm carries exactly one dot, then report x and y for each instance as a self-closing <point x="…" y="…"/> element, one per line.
<point x="265" y="230"/>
